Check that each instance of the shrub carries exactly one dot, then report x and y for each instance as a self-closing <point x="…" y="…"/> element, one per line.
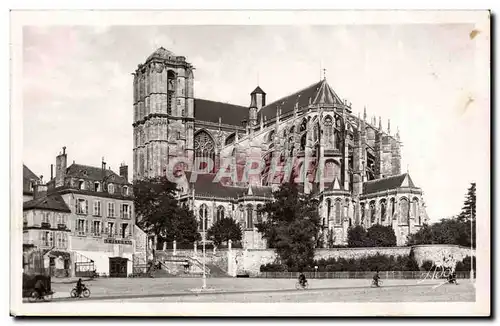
<point x="427" y="265"/>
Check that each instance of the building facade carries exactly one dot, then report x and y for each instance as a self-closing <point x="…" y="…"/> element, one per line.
<point x="99" y="217"/>
<point x="350" y="162"/>
<point x="46" y="227"/>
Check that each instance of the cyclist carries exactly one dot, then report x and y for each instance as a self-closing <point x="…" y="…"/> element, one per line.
<point x="302" y="279"/>
<point x="376" y="278"/>
<point x="79" y="287"/>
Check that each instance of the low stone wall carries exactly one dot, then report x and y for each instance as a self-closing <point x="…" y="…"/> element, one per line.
<point x="241" y="261"/>
<point x="438" y="252"/>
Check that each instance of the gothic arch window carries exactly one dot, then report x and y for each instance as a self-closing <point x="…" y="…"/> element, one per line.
<point x="249" y="216"/>
<point x="393" y="206"/>
<point x="220" y="214"/>
<point x="270" y="138"/>
<point x="303" y="126"/>
<point x="362" y="212"/>
<point x="331" y="170"/>
<point x="204" y="145"/>
<point x="259" y="213"/>
<point x="328" y="132"/>
<point x="405" y="210"/>
<point x="303" y="142"/>
<point x="328" y="209"/>
<point x="316" y="132"/>
<point x="170" y="90"/>
<point x="383" y="211"/>
<point x="355" y="213"/>
<point x="230" y="139"/>
<point x="338" y="133"/>
<point x="414" y="210"/>
<point x="203" y="217"/>
<point x="338" y="212"/>
<point x="372" y="212"/>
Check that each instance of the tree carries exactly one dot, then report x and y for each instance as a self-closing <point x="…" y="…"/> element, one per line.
<point x="381" y="236"/>
<point x="469" y="208"/>
<point x="292" y="226"/>
<point x="446" y="231"/>
<point x="356" y="237"/>
<point x="224" y="230"/>
<point x="159" y="213"/>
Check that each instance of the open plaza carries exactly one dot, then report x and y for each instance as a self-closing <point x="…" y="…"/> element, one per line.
<point x="264" y="290"/>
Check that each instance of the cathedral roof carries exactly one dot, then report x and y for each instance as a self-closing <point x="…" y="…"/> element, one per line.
<point x="231" y="114"/>
<point x="28" y="177"/>
<point x="317" y="93"/>
<point x="392" y="182"/>
<point x="161" y="53"/>
<point x="93" y="173"/>
<point x="51" y="203"/>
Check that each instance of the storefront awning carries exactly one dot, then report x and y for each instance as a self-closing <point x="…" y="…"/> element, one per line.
<point x="62" y="254"/>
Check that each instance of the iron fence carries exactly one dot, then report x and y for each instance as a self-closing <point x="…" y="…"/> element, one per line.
<point x="356" y="275"/>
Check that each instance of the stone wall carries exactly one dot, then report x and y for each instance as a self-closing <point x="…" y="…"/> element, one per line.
<point x="241" y="261"/>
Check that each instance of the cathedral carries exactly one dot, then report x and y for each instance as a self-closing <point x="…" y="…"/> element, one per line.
<point x="351" y="163"/>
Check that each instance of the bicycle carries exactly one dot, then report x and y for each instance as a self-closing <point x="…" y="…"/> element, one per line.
<point x="376" y="284"/>
<point x="35" y="296"/>
<point x="85" y="293"/>
<point x="300" y="286"/>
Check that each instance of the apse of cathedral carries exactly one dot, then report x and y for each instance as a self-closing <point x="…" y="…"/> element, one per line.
<point x="351" y="163"/>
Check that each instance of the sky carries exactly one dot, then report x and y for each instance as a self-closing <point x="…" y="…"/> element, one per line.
<point x="77" y="88"/>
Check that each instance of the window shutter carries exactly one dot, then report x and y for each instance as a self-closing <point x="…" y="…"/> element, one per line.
<point x="86" y="226"/>
<point x="102" y="228"/>
<point x="86" y="206"/>
<point x="76" y="205"/>
<point x="121" y="210"/>
<point x="92" y="227"/>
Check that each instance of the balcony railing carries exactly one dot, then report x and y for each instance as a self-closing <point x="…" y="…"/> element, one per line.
<point x="46" y="225"/>
<point x="61" y="226"/>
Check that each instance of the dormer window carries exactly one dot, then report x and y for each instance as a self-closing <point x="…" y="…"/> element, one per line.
<point x="97" y="186"/>
<point x="81" y="184"/>
<point x="32" y="186"/>
<point x="125" y="190"/>
<point x="111" y="188"/>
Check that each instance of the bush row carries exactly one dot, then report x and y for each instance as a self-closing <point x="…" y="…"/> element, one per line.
<point x="371" y="263"/>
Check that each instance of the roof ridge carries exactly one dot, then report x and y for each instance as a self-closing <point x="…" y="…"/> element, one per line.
<point x="294" y="93"/>
<point x="389" y="177"/>
<point x="204" y="99"/>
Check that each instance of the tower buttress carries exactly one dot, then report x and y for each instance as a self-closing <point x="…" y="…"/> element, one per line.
<point x="163" y="112"/>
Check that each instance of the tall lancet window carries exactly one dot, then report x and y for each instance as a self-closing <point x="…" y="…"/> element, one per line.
<point x="338" y="133"/>
<point x="203" y="216"/>
<point x="170" y="90"/>
<point x="204" y="146"/>
<point x="328" y="131"/>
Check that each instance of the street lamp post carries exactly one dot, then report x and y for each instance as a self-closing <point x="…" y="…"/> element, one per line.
<point x="204" y="277"/>
<point x="471" y="255"/>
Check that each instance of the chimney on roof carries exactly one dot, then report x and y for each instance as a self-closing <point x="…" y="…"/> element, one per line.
<point x="51" y="171"/>
<point x="39" y="190"/>
<point x="61" y="165"/>
<point x="103" y="168"/>
<point x="124" y="171"/>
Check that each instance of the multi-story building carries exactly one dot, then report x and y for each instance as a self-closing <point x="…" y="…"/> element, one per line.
<point x="359" y="162"/>
<point x="101" y="215"/>
<point x="30" y="179"/>
<point x="46" y="227"/>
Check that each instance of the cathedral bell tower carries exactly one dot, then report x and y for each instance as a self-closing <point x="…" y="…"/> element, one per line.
<point x="163" y="112"/>
<point x="257" y="102"/>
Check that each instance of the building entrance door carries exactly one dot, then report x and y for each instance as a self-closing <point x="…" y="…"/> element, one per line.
<point x="117" y="267"/>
